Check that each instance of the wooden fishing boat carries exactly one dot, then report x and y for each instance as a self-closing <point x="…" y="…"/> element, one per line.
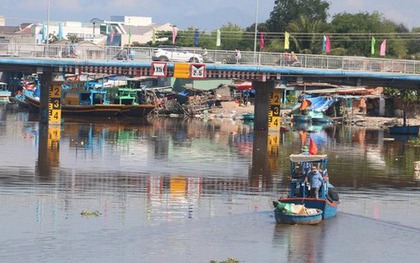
<point x="299" y="187"/>
<point x="93" y="102"/>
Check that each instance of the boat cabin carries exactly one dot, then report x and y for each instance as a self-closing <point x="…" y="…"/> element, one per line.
<point x="4" y="92"/>
<point x="300" y="166"/>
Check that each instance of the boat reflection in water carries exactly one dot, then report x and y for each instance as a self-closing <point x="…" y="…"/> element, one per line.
<point x="303" y="243"/>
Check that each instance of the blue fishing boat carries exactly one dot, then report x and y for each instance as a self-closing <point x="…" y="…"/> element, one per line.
<point x="299" y="192"/>
<point x="404" y="129"/>
<point x="248" y="116"/>
<point x="4" y="92"/>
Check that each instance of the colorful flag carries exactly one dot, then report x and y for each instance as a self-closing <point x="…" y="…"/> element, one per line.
<point x="305" y="104"/>
<point x="383" y="48"/>
<point x="154" y="35"/>
<point x="218" y="38"/>
<point x="324" y="43"/>
<point x="262" y="44"/>
<point x="286" y="41"/>
<point x="44" y="33"/>
<point x="372" y="46"/>
<point x="327" y="44"/>
<point x="111" y="35"/>
<point x="313" y="149"/>
<point x="60" y="31"/>
<point x="196" y="37"/>
<point x="174" y="34"/>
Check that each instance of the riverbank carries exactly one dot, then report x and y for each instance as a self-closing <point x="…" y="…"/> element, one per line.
<point x="234" y="110"/>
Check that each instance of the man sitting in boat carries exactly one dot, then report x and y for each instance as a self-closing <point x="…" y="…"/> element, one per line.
<point x="315" y="179"/>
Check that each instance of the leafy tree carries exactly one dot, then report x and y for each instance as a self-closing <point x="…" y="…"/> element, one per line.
<point x="413" y="46"/>
<point x="353" y="32"/>
<point x="286" y="11"/>
<point x="232" y="37"/>
<point x="404" y="99"/>
<point x="306" y="39"/>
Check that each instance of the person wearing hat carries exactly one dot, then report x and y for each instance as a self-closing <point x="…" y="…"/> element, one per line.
<point x="305" y="150"/>
<point x="315" y="180"/>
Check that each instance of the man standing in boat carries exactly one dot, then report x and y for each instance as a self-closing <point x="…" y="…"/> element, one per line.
<point x="316" y="181"/>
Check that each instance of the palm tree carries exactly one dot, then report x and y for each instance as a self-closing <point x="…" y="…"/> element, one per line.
<point x="307" y="39"/>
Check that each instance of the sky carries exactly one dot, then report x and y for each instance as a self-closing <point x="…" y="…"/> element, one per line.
<point x="203" y="14"/>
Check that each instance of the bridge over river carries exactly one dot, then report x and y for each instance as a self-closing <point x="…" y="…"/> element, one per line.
<point x="264" y="69"/>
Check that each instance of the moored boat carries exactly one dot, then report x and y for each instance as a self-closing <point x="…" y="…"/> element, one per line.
<point x="93" y="102"/>
<point x="4" y="92"/>
<point x="405" y="129"/>
<point x="299" y="192"/>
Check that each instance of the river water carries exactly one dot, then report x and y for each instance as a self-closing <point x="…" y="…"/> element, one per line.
<point x="175" y="190"/>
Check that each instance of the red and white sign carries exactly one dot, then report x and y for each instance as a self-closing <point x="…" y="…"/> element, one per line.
<point x="198" y="71"/>
<point x="159" y="69"/>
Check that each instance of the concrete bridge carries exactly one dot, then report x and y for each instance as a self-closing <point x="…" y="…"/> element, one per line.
<point x="264" y="69"/>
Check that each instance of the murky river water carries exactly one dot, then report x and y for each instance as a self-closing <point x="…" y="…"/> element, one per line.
<point x="172" y="190"/>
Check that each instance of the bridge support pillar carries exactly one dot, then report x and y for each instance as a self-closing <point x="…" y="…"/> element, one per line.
<point x="46" y="79"/>
<point x="262" y="103"/>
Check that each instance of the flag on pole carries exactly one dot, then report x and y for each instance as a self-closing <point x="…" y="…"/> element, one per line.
<point x="44" y="33"/>
<point x="174" y="34"/>
<point x="286" y="41"/>
<point x="262" y="44"/>
<point x="324" y="44"/>
<point x="383" y="48"/>
<point x="313" y="149"/>
<point x="154" y="35"/>
<point x="111" y="35"/>
<point x="196" y="37"/>
<point x="372" y="46"/>
<point x="327" y="44"/>
<point x="60" y="31"/>
<point x="218" y="38"/>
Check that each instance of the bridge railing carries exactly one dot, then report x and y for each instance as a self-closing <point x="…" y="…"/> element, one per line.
<point x="250" y="58"/>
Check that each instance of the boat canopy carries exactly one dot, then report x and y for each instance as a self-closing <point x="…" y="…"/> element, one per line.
<point x="320" y="104"/>
<point x="296" y="158"/>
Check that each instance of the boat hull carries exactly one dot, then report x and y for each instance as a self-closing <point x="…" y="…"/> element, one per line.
<point x="414" y="130"/>
<point x="293" y="219"/>
<point x="329" y="209"/>
<point x="98" y="110"/>
<point x="301" y="118"/>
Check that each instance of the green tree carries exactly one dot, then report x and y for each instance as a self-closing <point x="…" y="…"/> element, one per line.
<point x="306" y="37"/>
<point x="286" y="11"/>
<point x="353" y="32"/>
<point x="232" y="37"/>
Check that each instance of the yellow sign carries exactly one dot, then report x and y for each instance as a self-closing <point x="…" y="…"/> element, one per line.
<point x="275" y="98"/>
<point x="55" y="91"/>
<point x="54" y="105"/>
<point x="274" y="112"/>
<point x="182" y="70"/>
<point x="54" y="134"/>
<point x="273" y="143"/>
<point x="274" y="122"/>
<point x="54" y="116"/>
